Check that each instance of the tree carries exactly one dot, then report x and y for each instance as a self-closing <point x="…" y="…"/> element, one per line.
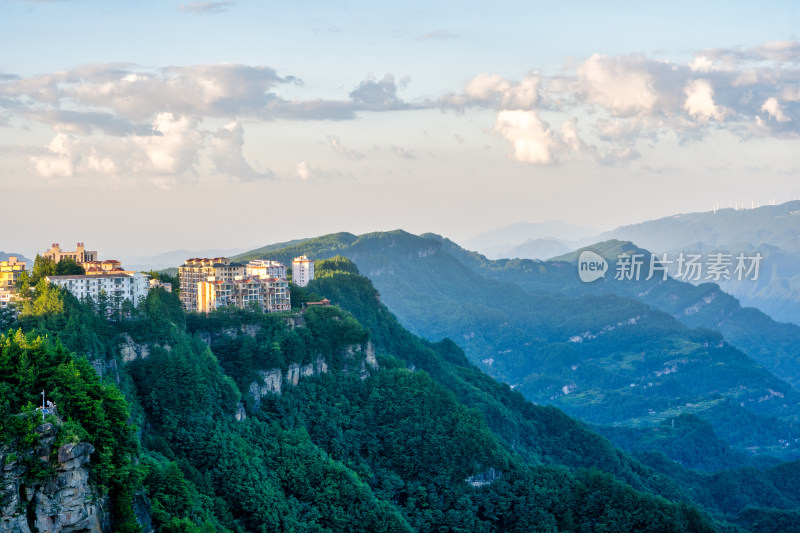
<point x="68" y="267"/>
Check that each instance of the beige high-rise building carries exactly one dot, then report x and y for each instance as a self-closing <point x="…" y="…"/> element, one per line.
<point x="80" y="255"/>
<point x="196" y="270"/>
<point x="276" y="295"/>
<point x="10" y="270"/>
<point x="270" y="295"/>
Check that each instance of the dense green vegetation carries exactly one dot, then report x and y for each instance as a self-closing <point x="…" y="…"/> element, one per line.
<point x="92" y="411"/>
<point x="425" y="442"/>
<point x="771" y="344"/>
<point x="606" y="357"/>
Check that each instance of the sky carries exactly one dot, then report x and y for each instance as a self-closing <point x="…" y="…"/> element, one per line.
<point x="140" y="127"/>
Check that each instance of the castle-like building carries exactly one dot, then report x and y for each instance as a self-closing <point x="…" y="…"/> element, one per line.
<point x="80" y="255"/>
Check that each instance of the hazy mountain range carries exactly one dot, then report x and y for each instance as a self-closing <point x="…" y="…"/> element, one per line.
<point x="772" y="231"/>
<point x="609" y="353"/>
<point x="4" y="256"/>
<point x="535" y="240"/>
<point x="170" y="259"/>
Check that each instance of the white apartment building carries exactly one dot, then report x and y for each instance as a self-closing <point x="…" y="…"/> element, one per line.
<point x="117" y="286"/>
<point x="264" y="269"/>
<point x="7" y="297"/>
<point x="302" y="270"/>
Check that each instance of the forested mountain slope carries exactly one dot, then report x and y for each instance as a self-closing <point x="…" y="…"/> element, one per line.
<point x="369" y="428"/>
<point x="606" y="358"/>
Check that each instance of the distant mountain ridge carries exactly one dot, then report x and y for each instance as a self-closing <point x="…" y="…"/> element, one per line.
<point x="525" y="337"/>
<point x="4" y="256"/>
<point x="776" y="225"/>
<point x="172" y="259"/>
<point x="772" y="230"/>
<point x="527" y="237"/>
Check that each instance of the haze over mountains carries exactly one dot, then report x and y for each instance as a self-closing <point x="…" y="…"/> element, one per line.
<point x="698" y="395"/>
<point x="610" y="353"/>
<point x="534" y="240"/>
<point x="773" y="231"/>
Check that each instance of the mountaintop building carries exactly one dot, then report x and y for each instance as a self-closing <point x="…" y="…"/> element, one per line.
<point x="261" y="268"/>
<point x="198" y="269"/>
<point x="302" y="270"/>
<point x="10" y="270"/>
<point x="117" y="286"/>
<point x="210" y="284"/>
<point x="79" y="255"/>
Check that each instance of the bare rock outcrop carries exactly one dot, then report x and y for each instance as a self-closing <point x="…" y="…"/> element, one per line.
<point x="131" y="350"/>
<point x="64" y="503"/>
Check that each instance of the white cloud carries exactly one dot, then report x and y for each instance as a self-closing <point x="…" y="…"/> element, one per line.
<point x="200" y="8"/>
<point x="209" y="90"/>
<point x="226" y="153"/>
<point x="791" y="93"/>
<point x="620" y="129"/>
<point x="773" y="107"/>
<point x="492" y="90"/>
<point x="61" y="159"/>
<point x="123" y="120"/>
<point x="337" y="146"/>
<point x="700" y="101"/>
<point x="701" y="64"/>
<point x="569" y="135"/>
<point x="399" y="151"/>
<point x="620" y="84"/>
<point x="619" y="155"/>
<point x="171" y="150"/>
<point x="174" y="147"/>
<point x="531" y="138"/>
<point x="483" y="87"/>
<point x="303" y="171"/>
<point x="438" y="34"/>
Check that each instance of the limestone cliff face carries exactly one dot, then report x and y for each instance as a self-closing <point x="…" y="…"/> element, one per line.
<point x="64" y="503"/>
<point x="359" y="358"/>
<point x="131" y="350"/>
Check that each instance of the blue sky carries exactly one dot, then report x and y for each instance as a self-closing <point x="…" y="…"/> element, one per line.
<point x="151" y="126"/>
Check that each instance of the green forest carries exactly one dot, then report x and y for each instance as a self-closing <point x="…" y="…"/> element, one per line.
<point x="634" y="354"/>
<point x="417" y="440"/>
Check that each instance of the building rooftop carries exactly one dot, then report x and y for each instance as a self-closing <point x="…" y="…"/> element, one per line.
<point x="119" y="274"/>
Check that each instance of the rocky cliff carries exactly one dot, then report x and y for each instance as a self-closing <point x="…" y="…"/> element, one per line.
<point x="64" y="502"/>
<point x="359" y="358"/>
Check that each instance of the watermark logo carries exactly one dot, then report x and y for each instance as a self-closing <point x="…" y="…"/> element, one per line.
<point x="714" y="267"/>
<point x="591" y="266"/>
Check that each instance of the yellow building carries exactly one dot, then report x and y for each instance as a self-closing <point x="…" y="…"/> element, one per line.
<point x="106" y="266"/>
<point x="198" y="270"/>
<point x="213" y="294"/>
<point x="80" y="255"/>
<point x="10" y="271"/>
<point x="269" y="295"/>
